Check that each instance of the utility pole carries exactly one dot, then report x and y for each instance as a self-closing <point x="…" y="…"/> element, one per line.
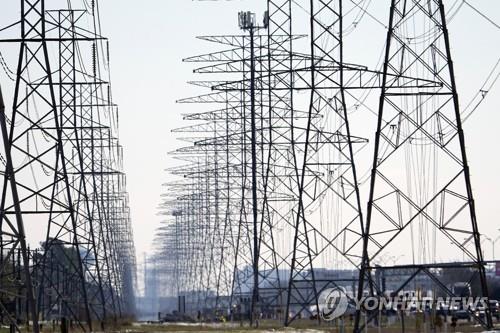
<point x="247" y="23"/>
<point x="493" y="242"/>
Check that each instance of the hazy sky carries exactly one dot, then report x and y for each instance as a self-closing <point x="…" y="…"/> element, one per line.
<point x="149" y="38"/>
<point x="148" y="41"/>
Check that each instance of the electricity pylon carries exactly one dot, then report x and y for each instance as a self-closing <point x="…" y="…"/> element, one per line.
<point x="63" y="181"/>
<point x="426" y="207"/>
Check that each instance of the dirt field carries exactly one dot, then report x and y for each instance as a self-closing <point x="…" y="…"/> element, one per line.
<point x="300" y="328"/>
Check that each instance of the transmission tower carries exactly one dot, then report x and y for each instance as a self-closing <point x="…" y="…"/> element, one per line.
<point x="44" y="126"/>
<point x="292" y="224"/>
<point x="430" y="202"/>
<point x="320" y="178"/>
<point x="63" y="179"/>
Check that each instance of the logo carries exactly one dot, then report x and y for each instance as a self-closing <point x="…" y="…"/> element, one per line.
<point x="333" y="303"/>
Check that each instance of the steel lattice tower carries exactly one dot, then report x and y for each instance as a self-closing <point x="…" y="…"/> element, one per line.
<point x="413" y="122"/>
<point x="319" y="177"/>
<point x="53" y="201"/>
<point x="63" y="179"/>
<point x="279" y="161"/>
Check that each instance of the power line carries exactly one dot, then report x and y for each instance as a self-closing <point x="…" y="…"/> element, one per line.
<point x="482" y="14"/>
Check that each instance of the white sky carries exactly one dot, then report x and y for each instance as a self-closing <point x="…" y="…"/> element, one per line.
<point x="149" y="38"/>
